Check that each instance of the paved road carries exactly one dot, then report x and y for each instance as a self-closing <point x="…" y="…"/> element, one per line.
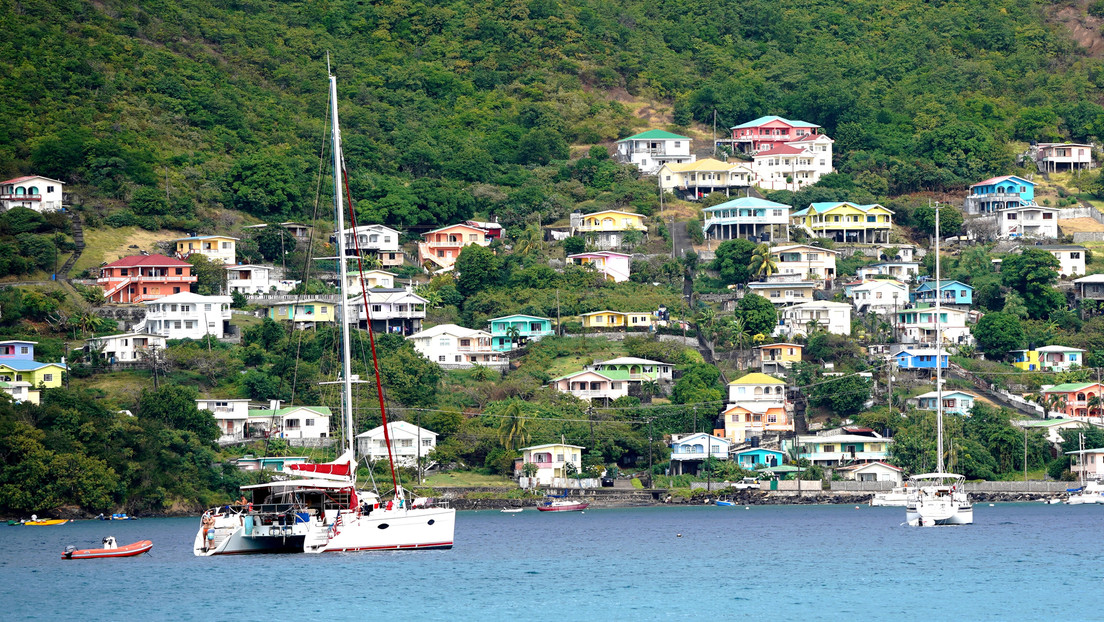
<point x="680" y="239"/>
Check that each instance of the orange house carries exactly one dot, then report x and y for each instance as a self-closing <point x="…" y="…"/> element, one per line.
<point x="747" y="419"/>
<point x="442" y="246"/>
<point x="139" y="278"/>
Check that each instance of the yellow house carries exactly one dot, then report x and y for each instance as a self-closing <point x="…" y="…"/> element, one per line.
<point x="46" y="375"/>
<point x="551" y="461"/>
<point x="305" y="312"/>
<point x="218" y="248"/>
<point x="617" y="319"/>
<point x="611" y="220"/>
<point x="778" y="357"/>
<point x="846" y="222"/>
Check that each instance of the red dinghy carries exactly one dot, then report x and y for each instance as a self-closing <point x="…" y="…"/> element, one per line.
<point x="109" y="550"/>
<point x="562" y="505"/>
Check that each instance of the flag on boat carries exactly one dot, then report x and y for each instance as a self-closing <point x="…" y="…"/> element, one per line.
<point x="342" y="468"/>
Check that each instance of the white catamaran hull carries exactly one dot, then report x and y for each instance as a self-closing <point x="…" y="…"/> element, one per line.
<point x="400" y="529"/>
<point x="939" y="514"/>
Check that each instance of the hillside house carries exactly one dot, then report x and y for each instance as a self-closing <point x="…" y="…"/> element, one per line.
<point x="220" y="249"/>
<point x="783" y="293"/>
<point x="231" y="415"/>
<point x="551" y="461"/>
<point x="918" y="326"/>
<point x="1075" y="398"/>
<point x="777" y="358"/>
<point x="872" y="472"/>
<point x="1071" y="259"/>
<point x="757" y="458"/>
<point x="921" y="359"/>
<point x="846" y="222"/>
<point x="124" y="348"/>
<point x="140" y="278"/>
<point x="999" y="193"/>
<point x="493" y="229"/>
<point x="650" y="150"/>
<point x="517" y="330"/>
<point x="766" y="132"/>
<point x="618" y="320"/>
<point x="303" y="312"/>
<point x="1028" y="221"/>
<point x="17" y="365"/>
<point x="251" y="280"/>
<point x="606" y="229"/>
<point x="614" y="266"/>
<point x="953" y="293"/>
<point x="794" y="164"/>
<point x="842" y="448"/>
<point x="955" y="402"/>
<point x="900" y="270"/>
<point x="879" y="296"/>
<point x="409" y="443"/>
<point x="1048" y="358"/>
<point x="693" y="181"/>
<point x="1053" y="157"/>
<point x="372" y="279"/>
<point x="592" y="385"/>
<point x="747" y="217"/>
<point x="375" y="241"/>
<point x="41" y="194"/>
<point x="440" y="248"/>
<point x="187" y="316"/>
<point x="749" y="420"/>
<point x="806" y="262"/>
<point x="298" y="230"/>
<point x="21" y="391"/>
<point x="1089" y="287"/>
<point x="639" y="370"/>
<point x="809" y="317"/>
<point x="291" y="422"/>
<point x="393" y="310"/>
<point x="689" y="451"/>
<point x="456" y="347"/>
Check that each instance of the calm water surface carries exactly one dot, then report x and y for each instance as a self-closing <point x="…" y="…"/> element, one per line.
<point x="1018" y="562"/>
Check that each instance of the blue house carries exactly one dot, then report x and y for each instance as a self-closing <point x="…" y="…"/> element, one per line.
<point x="950" y="293"/>
<point x="998" y="193"/>
<point x="17" y="350"/>
<point x="529" y="328"/>
<point x="954" y="402"/>
<point x="920" y="359"/>
<point x="757" y="457"/>
<point x="688" y="451"/>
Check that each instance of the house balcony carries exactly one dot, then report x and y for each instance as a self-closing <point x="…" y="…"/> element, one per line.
<point x="747" y="220"/>
<point x="20" y="197"/>
<point x="588" y="394"/>
<point x="843" y="456"/>
<point x="698" y="455"/>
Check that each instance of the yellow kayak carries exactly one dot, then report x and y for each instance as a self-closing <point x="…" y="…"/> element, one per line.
<point x="47" y="522"/>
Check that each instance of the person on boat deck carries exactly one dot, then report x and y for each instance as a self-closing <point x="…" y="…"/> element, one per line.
<point x="34" y="517"/>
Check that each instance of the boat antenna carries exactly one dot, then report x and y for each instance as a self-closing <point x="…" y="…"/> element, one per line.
<point x="339" y="165"/>
<point x="938" y="355"/>
<point x="346" y="350"/>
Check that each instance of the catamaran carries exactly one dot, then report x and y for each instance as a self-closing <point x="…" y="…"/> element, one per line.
<point x="938" y="498"/>
<point x="321" y="509"/>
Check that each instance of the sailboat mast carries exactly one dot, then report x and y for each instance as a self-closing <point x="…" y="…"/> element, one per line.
<point x="346" y="349"/>
<point x="938" y="354"/>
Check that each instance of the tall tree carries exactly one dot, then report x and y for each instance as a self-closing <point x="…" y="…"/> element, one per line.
<point x="1033" y="274"/>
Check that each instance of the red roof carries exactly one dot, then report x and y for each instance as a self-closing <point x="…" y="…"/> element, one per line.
<point x="19" y="180"/>
<point x="147" y="260"/>
<point x="782" y="150"/>
<point x="992" y="180"/>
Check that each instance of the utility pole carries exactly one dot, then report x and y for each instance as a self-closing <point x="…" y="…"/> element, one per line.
<point x="559" y="324"/>
<point x="649" y="450"/>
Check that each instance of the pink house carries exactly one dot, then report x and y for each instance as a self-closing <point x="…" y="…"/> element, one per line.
<point x="1076" y="397"/>
<point x="442" y="246"/>
<point x="615" y="266"/>
<point x="762" y="133"/>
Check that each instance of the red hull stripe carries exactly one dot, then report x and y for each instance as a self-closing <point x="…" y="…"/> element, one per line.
<point x="434" y="545"/>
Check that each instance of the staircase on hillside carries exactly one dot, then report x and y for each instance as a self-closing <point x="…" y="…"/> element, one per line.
<point x="78" y="243"/>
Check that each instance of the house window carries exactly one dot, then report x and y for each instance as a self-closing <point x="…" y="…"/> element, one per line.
<point x="427" y="442"/>
<point x="1010" y="216"/>
<point x="47" y="377"/>
<point x="441" y="359"/>
<point x="308" y="423"/>
<point x="24" y="350"/>
<point x="291" y="424"/>
<point x="828" y="448"/>
<point x="1075" y="255"/>
<point x="559" y="457"/>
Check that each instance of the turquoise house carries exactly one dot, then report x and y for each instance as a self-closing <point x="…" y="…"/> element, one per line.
<point x="950" y="293"/>
<point x="997" y="193"/>
<point x="529" y="328"/>
<point x="757" y="457"/>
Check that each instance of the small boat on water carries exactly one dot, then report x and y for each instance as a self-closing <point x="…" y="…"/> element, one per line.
<point x="46" y="522"/>
<point x="510" y="510"/>
<point x="109" y="549"/>
<point x="725" y="504"/>
<point x="119" y="516"/>
<point x="897" y="497"/>
<point x="563" y="505"/>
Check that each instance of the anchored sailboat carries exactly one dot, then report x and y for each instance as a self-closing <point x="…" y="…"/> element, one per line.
<point x="322" y="510"/>
<point x="938" y="498"/>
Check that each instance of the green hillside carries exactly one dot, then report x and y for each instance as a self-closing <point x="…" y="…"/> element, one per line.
<point x="450" y="108"/>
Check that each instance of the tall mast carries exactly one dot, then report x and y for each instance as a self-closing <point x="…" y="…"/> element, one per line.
<point x="343" y="320"/>
<point x="938" y="355"/>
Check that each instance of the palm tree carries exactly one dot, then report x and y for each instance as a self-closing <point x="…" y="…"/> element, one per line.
<point x="513" y="430"/>
<point x="514" y="333"/>
<point x="528" y="241"/>
<point x="762" y="264"/>
<point x="1095" y="403"/>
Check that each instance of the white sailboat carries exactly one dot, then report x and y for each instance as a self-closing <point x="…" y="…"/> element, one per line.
<point x="1088" y="493"/>
<point x="322" y="510"/>
<point x="938" y="498"/>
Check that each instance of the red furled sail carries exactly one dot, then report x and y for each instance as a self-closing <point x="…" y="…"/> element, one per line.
<point x="341" y="468"/>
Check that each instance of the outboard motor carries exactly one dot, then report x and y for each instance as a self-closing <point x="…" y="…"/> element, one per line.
<point x="69" y="550"/>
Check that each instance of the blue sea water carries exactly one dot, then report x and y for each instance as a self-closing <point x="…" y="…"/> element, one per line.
<point x="1017" y="562"/>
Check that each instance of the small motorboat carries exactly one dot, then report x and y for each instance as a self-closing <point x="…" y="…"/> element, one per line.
<point x="118" y="516"/>
<point x="725" y="504"/>
<point x="46" y="522"/>
<point x="563" y="505"/>
<point x="510" y="510"/>
<point x="110" y="549"/>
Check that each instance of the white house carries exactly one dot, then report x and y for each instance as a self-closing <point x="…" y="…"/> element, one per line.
<point x="1088" y="463"/>
<point x="795" y="164"/>
<point x="636" y="369"/>
<point x="41" y="194"/>
<point x="591" y="385"/>
<point x="806" y="261"/>
<point x="249" y="279"/>
<point x="900" y="270"/>
<point x="551" y="461"/>
<point x="918" y="326"/>
<point x="408" y="443"/>
<point x="688" y="451"/>
<point x="456" y="347"/>
<point x="757" y="387"/>
<point x="801" y="319"/>
<point x="652" y="149"/>
<point x="880" y="296"/>
<point x="747" y="217"/>
<point x="218" y="248"/>
<point x="873" y="472"/>
<point x="373" y="279"/>
<point x="21" y="391"/>
<point x="614" y="266"/>
<point x="1071" y="258"/>
<point x="394" y="310"/>
<point x="1057" y="156"/>
<point x="126" y="347"/>
<point x="783" y="293"/>
<point x="187" y="316"/>
<point x="231" y="415"/>
<point x="1028" y="221"/>
<point x="377" y="240"/>
<point x="291" y="422"/>
<point x="954" y="401"/>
